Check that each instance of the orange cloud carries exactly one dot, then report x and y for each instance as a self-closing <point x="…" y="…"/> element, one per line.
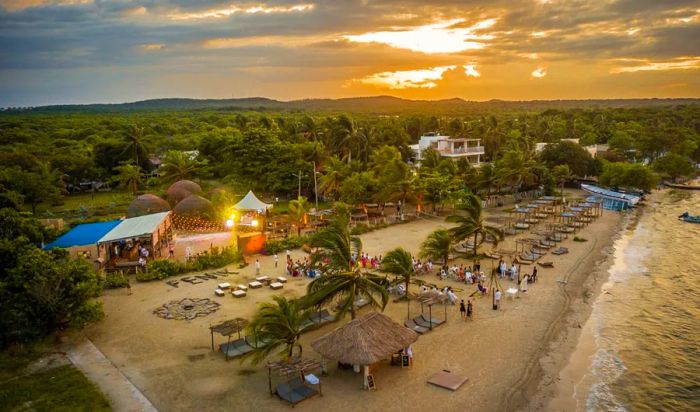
<point x="407" y="79"/>
<point x="539" y="72"/>
<point x="681" y="63"/>
<point x="231" y="10"/>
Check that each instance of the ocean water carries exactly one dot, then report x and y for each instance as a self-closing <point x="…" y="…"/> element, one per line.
<point x="646" y="322"/>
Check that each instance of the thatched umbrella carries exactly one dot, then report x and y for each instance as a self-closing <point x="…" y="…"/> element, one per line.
<point x="147" y="204"/>
<point x="194" y="205"/>
<point x="181" y="189"/>
<point x="365" y="340"/>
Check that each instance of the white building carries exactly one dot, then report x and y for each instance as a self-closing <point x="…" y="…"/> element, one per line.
<point x="593" y="150"/>
<point x="455" y="149"/>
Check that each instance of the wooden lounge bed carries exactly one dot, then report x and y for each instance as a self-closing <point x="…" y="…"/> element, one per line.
<point x="416" y="328"/>
<point x="255" y="285"/>
<point x="546" y="264"/>
<point x="236" y="348"/>
<point x="276" y="285"/>
<point x="238" y="293"/>
<point x="560" y="251"/>
<point x="295" y="391"/>
<point x="422" y="323"/>
<point x="434" y="321"/>
<point x="447" y="380"/>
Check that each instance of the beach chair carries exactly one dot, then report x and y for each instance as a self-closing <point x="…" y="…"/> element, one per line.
<point x="434" y="321"/>
<point x="560" y="251"/>
<point x="422" y="323"/>
<point x="416" y="328"/>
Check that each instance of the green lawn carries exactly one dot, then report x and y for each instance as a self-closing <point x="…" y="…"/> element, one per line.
<point x="63" y="388"/>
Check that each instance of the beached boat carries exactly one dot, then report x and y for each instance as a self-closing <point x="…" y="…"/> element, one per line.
<point x="612" y="200"/>
<point x="682" y="187"/>
<point x="686" y="217"/>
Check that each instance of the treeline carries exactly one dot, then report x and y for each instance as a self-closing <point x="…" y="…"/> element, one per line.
<point x="43" y="156"/>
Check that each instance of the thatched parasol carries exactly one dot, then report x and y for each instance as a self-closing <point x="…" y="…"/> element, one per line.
<point x="146" y="205"/>
<point x="365" y="340"/>
<point x="194" y="205"/>
<point x="181" y="189"/>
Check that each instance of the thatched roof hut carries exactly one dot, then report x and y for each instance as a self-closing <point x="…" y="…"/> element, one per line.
<point x="194" y="205"/>
<point x="146" y="205"/>
<point x="365" y="340"/>
<point x="182" y="189"/>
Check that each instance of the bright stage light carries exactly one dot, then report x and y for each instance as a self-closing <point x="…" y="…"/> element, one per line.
<point x="254" y="223"/>
<point x="229" y="223"/>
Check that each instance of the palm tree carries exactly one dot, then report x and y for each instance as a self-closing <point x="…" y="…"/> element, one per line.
<point x="297" y="212"/>
<point x="178" y="165"/>
<point x="129" y="177"/>
<point x="343" y="279"/>
<point x="472" y="224"/>
<point x="278" y="324"/>
<point x="335" y="173"/>
<point x="562" y="174"/>
<point x="136" y="143"/>
<point x="516" y="168"/>
<point x="437" y="246"/>
<point x="400" y="262"/>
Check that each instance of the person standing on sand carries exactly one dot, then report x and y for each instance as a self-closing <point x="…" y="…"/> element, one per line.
<point x="257" y="267"/>
<point x="497" y="297"/>
<point x="470" y="310"/>
<point x="128" y="287"/>
<point x="462" y="310"/>
<point x="534" y="274"/>
<point x="276" y="259"/>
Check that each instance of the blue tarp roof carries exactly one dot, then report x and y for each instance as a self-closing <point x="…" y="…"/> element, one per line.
<point x="85" y="234"/>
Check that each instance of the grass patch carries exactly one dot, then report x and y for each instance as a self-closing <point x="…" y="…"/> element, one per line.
<point x="63" y="388"/>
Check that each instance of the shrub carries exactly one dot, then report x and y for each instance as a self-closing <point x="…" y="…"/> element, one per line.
<point x="115" y="280"/>
<point x="277" y="246"/>
<point x="164" y="268"/>
<point x="580" y="239"/>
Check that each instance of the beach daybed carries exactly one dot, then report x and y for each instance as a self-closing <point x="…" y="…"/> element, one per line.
<point x="295" y="391"/>
<point x="434" y="321"/>
<point x="546" y="264"/>
<point x="282" y="279"/>
<point x="236" y="348"/>
<point x="224" y="286"/>
<point x="276" y="285"/>
<point x="238" y="293"/>
<point x="447" y="380"/>
<point x="255" y="285"/>
<point x="560" y="251"/>
<point x="410" y="324"/>
<point x="219" y="292"/>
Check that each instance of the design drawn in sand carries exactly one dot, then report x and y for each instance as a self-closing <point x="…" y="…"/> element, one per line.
<point x="187" y="308"/>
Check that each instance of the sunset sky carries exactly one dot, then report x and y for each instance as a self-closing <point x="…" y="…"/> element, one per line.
<point x="85" y="51"/>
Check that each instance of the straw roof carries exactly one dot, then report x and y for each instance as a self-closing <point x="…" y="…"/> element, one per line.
<point x="365" y="340"/>
<point x="146" y="205"/>
<point x="194" y="205"/>
<point x="182" y="189"/>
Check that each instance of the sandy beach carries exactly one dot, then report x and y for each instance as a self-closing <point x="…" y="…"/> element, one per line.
<point x="508" y="355"/>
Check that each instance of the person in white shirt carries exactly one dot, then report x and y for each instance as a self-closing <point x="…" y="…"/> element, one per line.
<point x="497" y="298"/>
<point x="513" y="272"/>
<point x="276" y="259"/>
<point x="257" y="267"/>
<point x="452" y="297"/>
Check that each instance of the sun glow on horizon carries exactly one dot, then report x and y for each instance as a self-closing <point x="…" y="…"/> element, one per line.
<point x="407" y="79"/>
<point x="435" y="38"/>
<point x="539" y="72"/>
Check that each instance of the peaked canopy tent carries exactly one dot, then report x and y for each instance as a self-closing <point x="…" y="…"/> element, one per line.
<point x="82" y="239"/>
<point x="365" y="340"/>
<point x="150" y="231"/>
<point x="251" y="203"/>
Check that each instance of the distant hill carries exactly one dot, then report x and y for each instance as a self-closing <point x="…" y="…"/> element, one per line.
<point x="373" y="105"/>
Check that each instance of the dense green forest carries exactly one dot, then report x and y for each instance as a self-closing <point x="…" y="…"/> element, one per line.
<point x="360" y="157"/>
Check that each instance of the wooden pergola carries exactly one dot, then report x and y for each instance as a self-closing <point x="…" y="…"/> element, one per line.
<point x="294" y="366"/>
<point x="228" y="328"/>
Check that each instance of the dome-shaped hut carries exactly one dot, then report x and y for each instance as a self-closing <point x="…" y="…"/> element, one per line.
<point x="182" y="189"/>
<point x="146" y="205"/>
<point x="194" y="205"/>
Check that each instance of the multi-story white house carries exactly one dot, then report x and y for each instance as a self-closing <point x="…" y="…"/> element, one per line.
<point x="455" y="149"/>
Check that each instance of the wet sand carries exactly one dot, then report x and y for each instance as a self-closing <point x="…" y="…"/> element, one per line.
<point x="500" y="352"/>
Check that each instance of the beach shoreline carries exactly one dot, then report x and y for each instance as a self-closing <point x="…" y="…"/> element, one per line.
<point x="568" y="361"/>
<point x="172" y="363"/>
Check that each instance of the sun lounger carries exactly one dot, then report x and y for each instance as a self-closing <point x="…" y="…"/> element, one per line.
<point x="434" y="321"/>
<point x="242" y="287"/>
<point x="224" y="285"/>
<point x="521" y="226"/>
<point x="219" y="292"/>
<point x="416" y="328"/>
<point x="236" y="348"/>
<point x="255" y="285"/>
<point x="276" y="285"/>
<point x="282" y="279"/>
<point x="546" y="264"/>
<point x="295" y="391"/>
<point x="447" y="380"/>
<point x="262" y="278"/>
<point x="238" y="293"/>
<point x="560" y="251"/>
<point x="422" y="323"/>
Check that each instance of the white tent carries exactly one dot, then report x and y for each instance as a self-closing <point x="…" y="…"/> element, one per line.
<point x="251" y="202"/>
<point x="135" y="227"/>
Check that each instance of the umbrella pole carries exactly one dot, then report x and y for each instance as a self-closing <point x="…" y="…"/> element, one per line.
<point x="430" y="313"/>
<point x="365" y="373"/>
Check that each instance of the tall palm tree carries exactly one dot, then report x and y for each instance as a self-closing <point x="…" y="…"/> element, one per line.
<point x="178" y="166"/>
<point x="297" y="212"/>
<point x="516" y="168"/>
<point x="400" y="262"/>
<point x="562" y="174"/>
<point x="336" y="171"/>
<point x="129" y="177"/>
<point x="472" y="223"/>
<point x="437" y="246"/>
<point x="342" y="279"/>
<point x="136" y="143"/>
<point x="278" y="324"/>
